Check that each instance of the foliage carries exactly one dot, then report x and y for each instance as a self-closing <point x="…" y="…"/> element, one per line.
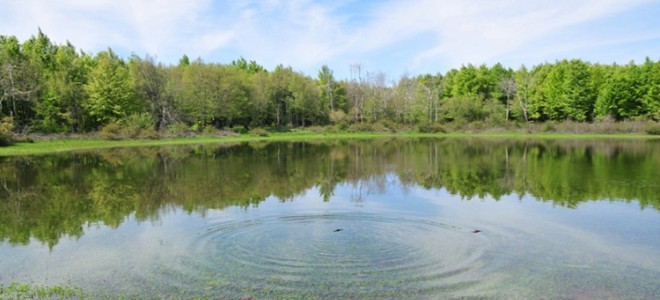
<point x="464" y="108"/>
<point x="112" y="132"/>
<point x="653" y="129"/>
<point x="50" y="88"/>
<point x="179" y="129"/>
<point x="110" y="90"/>
<point x="6" y="126"/>
<point x="132" y="127"/>
<point x="136" y="124"/>
<point x="361" y="127"/>
<point x="259" y="132"/>
<point x="430" y="128"/>
<point x="210" y="130"/>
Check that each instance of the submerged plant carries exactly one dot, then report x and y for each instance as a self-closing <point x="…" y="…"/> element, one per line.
<point x="28" y="291"/>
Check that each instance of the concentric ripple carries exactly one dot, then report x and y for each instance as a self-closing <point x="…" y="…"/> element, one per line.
<point x="339" y="255"/>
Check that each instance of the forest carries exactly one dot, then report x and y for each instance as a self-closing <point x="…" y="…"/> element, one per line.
<point x="58" y="89"/>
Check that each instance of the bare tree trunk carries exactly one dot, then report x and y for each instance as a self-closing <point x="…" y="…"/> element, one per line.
<point x="12" y="92"/>
<point x="507" y="107"/>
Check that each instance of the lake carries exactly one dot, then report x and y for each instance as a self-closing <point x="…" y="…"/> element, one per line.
<point x="381" y="218"/>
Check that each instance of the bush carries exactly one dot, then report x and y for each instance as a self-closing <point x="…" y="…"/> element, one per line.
<point x="6" y="126"/>
<point x="179" y="129"/>
<point x="142" y="121"/>
<point x="427" y="127"/>
<point x="331" y="129"/>
<point x="390" y="125"/>
<point x="464" y="109"/>
<point x="134" y="125"/>
<point x="316" y="129"/>
<point x="259" y="132"/>
<point x="338" y="116"/>
<point x="549" y="126"/>
<point x="653" y="129"/>
<point x="112" y="131"/>
<point x="239" y="130"/>
<point x="149" y="134"/>
<point x="210" y="130"/>
<point x="5" y="141"/>
<point x="361" y="127"/>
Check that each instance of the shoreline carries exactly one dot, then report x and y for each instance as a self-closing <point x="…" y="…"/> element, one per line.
<point x="59" y="145"/>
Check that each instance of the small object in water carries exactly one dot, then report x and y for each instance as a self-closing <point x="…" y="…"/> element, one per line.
<point x="476" y="231"/>
<point x="337" y="230"/>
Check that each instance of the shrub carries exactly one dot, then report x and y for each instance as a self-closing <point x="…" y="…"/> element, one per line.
<point x="143" y="121"/>
<point x="210" y="130"/>
<point x="653" y="129"/>
<point x="149" y="134"/>
<point x="361" y="127"/>
<point x="331" y="129"/>
<point x="338" y="116"/>
<point x="5" y="141"/>
<point x="549" y="126"/>
<point x="6" y="126"/>
<point x="463" y="108"/>
<point x="133" y="125"/>
<point x="239" y="130"/>
<point x="428" y="127"/>
<point x="179" y="128"/>
<point x="259" y="132"/>
<point x="316" y="129"/>
<point x="390" y="125"/>
<point x="476" y="126"/>
<point x="112" y="131"/>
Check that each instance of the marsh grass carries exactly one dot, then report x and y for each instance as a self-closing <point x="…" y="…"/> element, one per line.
<point x="41" y="144"/>
<point x="29" y="291"/>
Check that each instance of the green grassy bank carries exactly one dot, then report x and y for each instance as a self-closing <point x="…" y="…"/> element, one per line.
<point x="72" y="144"/>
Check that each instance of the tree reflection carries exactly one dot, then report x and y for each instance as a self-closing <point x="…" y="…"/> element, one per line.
<point x="48" y="197"/>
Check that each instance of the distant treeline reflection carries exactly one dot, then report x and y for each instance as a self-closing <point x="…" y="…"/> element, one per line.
<point x="48" y="197"/>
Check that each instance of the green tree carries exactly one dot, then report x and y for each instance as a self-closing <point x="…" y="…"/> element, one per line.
<point x="198" y="95"/>
<point x="150" y="82"/>
<point x="60" y="108"/>
<point x="250" y="67"/>
<point x="110" y="90"/>
<point x="327" y="87"/>
<point x="235" y="94"/>
<point x="525" y="84"/>
<point x="651" y="89"/>
<point x="19" y="83"/>
<point x="621" y="96"/>
<point x="566" y="92"/>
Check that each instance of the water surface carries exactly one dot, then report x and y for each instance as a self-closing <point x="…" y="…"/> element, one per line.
<point x="386" y="218"/>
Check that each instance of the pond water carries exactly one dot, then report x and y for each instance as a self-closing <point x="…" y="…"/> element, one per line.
<point x="384" y="218"/>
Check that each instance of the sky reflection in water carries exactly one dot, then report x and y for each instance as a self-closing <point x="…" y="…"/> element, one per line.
<point x="557" y="219"/>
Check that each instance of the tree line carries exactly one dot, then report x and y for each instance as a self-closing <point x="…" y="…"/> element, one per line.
<point x="51" y="88"/>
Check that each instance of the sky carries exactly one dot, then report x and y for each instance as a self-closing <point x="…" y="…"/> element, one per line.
<point x="395" y="37"/>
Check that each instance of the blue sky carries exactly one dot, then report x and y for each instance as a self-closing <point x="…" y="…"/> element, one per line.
<point x="394" y="37"/>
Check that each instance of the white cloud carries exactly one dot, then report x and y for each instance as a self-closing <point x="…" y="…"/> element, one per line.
<point x="306" y="33"/>
<point x="214" y="41"/>
<point x="149" y="26"/>
<point x="481" y="30"/>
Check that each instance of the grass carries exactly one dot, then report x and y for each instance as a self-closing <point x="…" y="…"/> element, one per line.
<point x="65" y="145"/>
<point x="29" y="291"/>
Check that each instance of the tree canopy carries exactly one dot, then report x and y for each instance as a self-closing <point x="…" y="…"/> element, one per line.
<point x="51" y="88"/>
